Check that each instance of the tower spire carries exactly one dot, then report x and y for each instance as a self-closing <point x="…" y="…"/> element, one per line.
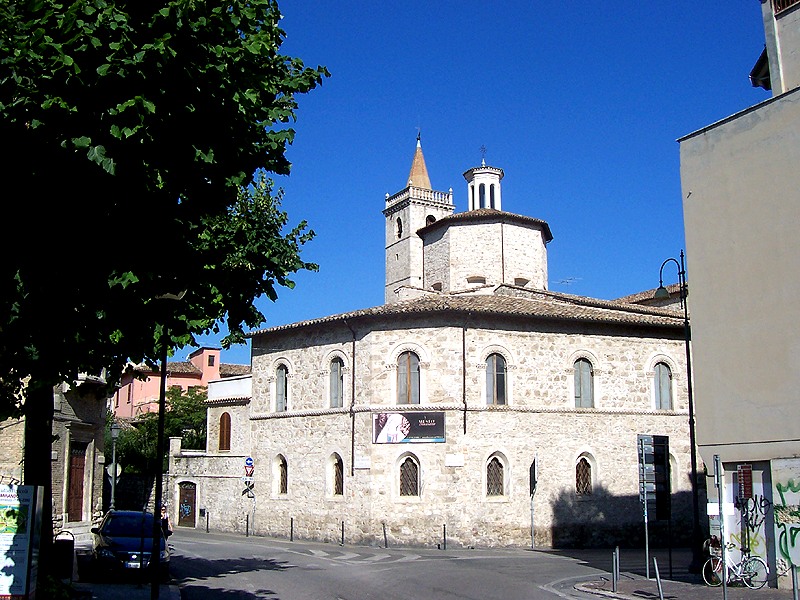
<point x="418" y="176"/>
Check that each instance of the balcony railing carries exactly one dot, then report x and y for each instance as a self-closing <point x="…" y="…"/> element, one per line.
<point x="779" y="5"/>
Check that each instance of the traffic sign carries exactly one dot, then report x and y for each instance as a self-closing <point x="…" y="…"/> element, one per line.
<point x="248" y="462"/>
<point x="248" y="471"/>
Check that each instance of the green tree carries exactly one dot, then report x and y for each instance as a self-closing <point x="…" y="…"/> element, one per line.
<point x="132" y="130"/>
<point x="185" y="418"/>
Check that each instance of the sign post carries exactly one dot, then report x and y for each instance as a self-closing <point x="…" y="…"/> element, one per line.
<point x="654" y="484"/>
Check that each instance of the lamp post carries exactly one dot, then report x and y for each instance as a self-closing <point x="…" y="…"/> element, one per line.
<point x="114" y="435"/>
<point x="661" y="294"/>
<point x="155" y="551"/>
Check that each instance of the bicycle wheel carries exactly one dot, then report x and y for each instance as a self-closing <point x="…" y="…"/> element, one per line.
<point x="712" y="571"/>
<point x="755" y="572"/>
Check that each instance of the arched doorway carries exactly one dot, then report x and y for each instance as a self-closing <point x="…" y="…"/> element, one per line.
<point x="187" y="504"/>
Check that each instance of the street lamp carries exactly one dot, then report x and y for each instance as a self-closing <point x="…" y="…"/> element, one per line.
<point x="114" y="435"/>
<point x="155" y="554"/>
<point x="663" y="294"/>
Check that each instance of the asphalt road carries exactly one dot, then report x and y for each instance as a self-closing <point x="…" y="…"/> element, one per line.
<point x="233" y="567"/>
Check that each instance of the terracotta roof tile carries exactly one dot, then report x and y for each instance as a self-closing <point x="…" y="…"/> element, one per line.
<point x="488" y="215"/>
<point x="231" y="370"/>
<point x="513" y="302"/>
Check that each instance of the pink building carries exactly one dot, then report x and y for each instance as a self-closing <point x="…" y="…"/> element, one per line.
<point x="136" y="396"/>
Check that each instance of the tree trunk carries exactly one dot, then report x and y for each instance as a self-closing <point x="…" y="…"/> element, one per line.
<point x="37" y="464"/>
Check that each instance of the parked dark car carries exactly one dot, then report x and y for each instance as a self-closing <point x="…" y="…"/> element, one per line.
<point x="123" y="543"/>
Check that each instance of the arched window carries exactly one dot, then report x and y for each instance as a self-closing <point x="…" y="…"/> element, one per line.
<point x="409" y="477"/>
<point x="583" y="477"/>
<point x="281" y="388"/>
<point x="491" y="196"/>
<point x="430" y="220"/>
<point x="224" y="431"/>
<point x="482" y="195"/>
<point x="337" y="475"/>
<point x="584" y="384"/>
<point x="495" y="379"/>
<point x="399" y="228"/>
<point x="495" y="478"/>
<point x="283" y="475"/>
<point x="408" y="378"/>
<point x="663" y="387"/>
<point x="337" y="383"/>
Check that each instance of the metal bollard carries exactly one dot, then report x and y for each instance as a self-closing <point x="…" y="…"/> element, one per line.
<point x="444" y="537"/>
<point x="342" y="544"/>
<point x="658" y="579"/>
<point x="291" y="529"/>
<point x="385" y="539"/>
<point x="614" y="569"/>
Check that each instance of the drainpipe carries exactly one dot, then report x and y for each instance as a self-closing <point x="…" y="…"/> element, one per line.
<point x="352" y="402"/>
<point x="502" y="253"/>
<point x="464" y="368"/>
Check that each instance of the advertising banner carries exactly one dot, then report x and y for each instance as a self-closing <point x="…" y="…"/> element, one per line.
<point x="407" y="427"/>
<point x="17" y="517"/>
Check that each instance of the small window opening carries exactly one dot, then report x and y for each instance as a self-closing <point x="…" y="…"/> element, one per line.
<point x="494" y="477"/>
<point x="583" y="477"/>
<point x="409" y="478"/>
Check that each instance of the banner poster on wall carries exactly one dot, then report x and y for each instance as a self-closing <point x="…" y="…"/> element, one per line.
<point x="407" y="427"/>
<point x="18" y="541"/>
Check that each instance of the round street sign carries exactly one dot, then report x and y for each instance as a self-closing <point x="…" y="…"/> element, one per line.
<point x="248" y="462"/>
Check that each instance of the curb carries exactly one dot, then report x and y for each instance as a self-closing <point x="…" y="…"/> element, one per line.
<point x="588" y="588"/>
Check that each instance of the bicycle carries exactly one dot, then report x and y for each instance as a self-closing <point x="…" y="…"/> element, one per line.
<point x="750" y="570"/>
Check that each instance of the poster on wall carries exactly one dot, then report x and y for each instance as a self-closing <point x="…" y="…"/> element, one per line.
<point x="407" y="427"/>
<point x="17" y="520"/>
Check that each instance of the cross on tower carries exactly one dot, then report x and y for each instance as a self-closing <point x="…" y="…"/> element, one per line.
<point x="483" y="154"/>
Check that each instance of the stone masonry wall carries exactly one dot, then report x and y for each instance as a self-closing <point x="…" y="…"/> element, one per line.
<point x="515" y="251"/>
<point x="539" y="422"/>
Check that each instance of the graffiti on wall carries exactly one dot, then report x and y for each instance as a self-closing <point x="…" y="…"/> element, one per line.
<point x="751" y="535"/>
<point x="786" y="477"/>
<point x="787" y="520"/>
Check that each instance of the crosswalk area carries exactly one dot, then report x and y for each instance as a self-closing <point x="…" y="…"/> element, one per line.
<point x="347" y="556"/>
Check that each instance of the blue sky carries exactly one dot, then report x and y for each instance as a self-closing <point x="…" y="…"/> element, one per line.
<point x="580" y="103"/>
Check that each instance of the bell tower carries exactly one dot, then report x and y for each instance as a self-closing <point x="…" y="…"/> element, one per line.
<point x="483" y="187"/>
<point x="407" y="211"/>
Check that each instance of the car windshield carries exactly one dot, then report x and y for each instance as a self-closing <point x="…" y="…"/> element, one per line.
<point x="130" y="525"/>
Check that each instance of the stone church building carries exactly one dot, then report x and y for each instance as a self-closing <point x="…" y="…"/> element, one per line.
<point x="474" y="405"/>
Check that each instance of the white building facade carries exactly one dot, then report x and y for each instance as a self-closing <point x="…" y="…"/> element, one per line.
<point x="474" y="406"/>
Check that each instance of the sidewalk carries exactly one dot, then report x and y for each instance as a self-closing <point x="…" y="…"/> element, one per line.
<point x="677" y="583"/>
<point x="90" y="590"/>
<point x="636" y="587"/>
<point x="123" y="591"/>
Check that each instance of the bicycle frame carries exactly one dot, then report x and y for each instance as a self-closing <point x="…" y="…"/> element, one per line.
<point x="752" y="571"/>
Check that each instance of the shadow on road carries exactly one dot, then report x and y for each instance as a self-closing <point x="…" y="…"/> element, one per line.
<point x="205" y="577"/>
<point x="634" y="560"/>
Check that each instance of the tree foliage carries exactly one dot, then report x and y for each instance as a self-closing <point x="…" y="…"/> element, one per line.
<point x="185" y="418"/>
<point x="133" y="129"/>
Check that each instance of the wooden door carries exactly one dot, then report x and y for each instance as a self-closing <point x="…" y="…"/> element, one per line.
<point x="77" y="467"/>
<point x="186" y="504"/>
